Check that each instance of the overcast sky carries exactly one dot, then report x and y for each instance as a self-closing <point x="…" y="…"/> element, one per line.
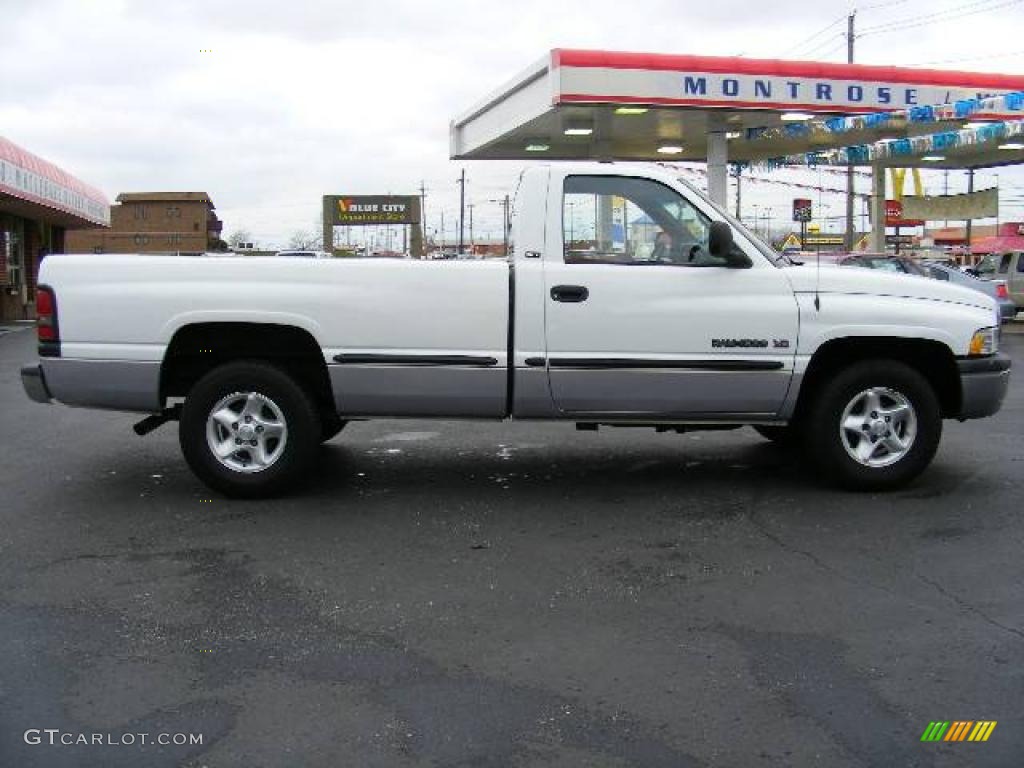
<point x="297" y="99"/>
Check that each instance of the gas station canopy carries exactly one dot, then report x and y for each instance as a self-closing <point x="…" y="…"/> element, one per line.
<point x="580" y="104"/>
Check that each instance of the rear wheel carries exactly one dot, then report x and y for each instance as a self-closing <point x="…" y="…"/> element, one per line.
<point x="248" y="429"/>
<point x="873" y="426"/>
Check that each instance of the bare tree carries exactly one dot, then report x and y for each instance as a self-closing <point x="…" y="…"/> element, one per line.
<point x="238" y="237"/>
<point x="306" y="240"/>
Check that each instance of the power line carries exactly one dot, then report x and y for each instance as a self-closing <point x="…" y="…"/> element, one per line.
<point x="833" y="49"/>
<point x="860" y="8"/>
<point x="793" y="51"/>
<point x="970" y="58"/>
<point x="925" y="21"/>
<point x="817" y="34"/>
<point x="944" y="12"/>
<point x="829" y="41"/>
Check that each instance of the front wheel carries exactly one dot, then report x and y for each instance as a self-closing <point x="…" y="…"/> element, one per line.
<point x="873" y="426"/>
<point x="248" y="429"/>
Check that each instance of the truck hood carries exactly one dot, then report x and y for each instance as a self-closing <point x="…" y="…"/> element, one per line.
<point x="872" y="282"/>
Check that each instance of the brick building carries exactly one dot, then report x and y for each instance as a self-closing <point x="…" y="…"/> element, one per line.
<point x="39" y="202"/>
<point x="154" y="222"/>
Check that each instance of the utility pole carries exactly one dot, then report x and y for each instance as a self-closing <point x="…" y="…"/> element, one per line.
<point x="462" y="209"/>
<point x="471" y="241"/>
<point x="507" y="222"/>
<point x="848" y="237"/>
<point x="967" y="230"/>
<point x="737" y="170"/>
<point x="423" y="208"/>
<point x="504" y="203"/>
<point x="442" y="231"/>
<point x="945" y="190"/>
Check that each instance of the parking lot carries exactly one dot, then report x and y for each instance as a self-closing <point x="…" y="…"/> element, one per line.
<point x="450" y="593"/>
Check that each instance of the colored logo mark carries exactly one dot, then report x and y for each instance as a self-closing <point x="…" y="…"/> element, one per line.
<point x="958" y="730"/>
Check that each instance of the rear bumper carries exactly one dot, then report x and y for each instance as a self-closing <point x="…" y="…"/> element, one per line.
<point x="983" y="385"/>
<point x="34" y="382"/>
<point x="1007" y="310"/>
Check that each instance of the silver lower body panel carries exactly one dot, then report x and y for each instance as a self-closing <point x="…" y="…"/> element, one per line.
<point x="419" y="391"/>
<point x="117" y="385"/>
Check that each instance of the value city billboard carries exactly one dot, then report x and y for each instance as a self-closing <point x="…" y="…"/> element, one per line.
<point x="349" y="210"/>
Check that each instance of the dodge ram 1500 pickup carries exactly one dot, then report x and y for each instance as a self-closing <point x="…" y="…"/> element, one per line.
<point x="629" y="299"/>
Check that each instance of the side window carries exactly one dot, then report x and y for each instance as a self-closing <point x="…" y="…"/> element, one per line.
<point x="1004" y="263"/>
<point x="938" y="274"/>
<point x="1020" y="262"/>
<point x="631" y="221"/>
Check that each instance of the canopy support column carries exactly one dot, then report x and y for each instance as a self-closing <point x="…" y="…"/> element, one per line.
<point x="718" y="161"/>
<point x="877" y="242"/>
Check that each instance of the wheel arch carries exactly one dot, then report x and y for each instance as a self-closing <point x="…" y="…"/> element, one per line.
<point x="932" y="359"/>
<point x="197" y="348"/>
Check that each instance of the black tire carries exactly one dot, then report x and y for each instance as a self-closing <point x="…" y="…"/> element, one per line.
<point x="289" y="401"/>
<point x="781" y="435"/>
<point x="823" y="440"/>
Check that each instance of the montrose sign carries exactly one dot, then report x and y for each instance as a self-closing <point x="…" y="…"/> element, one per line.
<point x="594" y="76"/>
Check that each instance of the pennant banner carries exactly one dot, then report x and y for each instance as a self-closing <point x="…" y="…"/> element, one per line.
<point x="1002" y="106"/>
<point x="863" y="154"/>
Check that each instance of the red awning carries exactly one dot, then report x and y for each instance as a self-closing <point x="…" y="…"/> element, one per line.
<point x="30" y="178"/>
<point x="997" y="245"/>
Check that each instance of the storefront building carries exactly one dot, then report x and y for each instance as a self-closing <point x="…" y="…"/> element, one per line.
<point x="154" y="222"/>
<point x="39" y="202"/>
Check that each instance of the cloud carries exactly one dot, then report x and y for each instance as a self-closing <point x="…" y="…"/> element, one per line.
<point x="296" y="100"/>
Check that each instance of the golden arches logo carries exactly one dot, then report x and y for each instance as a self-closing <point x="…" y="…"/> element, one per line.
<point x="899" y="177"/>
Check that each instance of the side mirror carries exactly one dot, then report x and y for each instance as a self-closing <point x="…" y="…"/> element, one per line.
<point x="720" y="244"/>
<point x="720" y="239"/>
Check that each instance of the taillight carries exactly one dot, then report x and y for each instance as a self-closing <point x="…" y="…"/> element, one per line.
<point x="46" y="314"/>
<point x="1001" y="291"/>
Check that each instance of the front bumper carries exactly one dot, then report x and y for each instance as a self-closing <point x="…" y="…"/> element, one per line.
<point x="34" y="382"/>
<point x="983" y="384"/>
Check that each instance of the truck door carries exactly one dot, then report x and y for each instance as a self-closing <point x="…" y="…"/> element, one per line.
<point x="642" y="321"/>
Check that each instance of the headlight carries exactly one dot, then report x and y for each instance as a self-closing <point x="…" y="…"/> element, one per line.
<point x="985" y="341"/>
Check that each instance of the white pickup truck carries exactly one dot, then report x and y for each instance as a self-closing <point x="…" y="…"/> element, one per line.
<point x="630" y="299"/>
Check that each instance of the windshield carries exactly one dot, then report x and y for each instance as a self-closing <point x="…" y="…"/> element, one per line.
<point x="769" y="253"/>
<point x="885" y="265"/>
<point x="987" y="265"/>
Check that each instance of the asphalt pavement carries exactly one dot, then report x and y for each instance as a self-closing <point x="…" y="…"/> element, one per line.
<point x="480" y="594"/>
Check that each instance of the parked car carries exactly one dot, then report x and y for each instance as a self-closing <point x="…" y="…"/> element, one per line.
<point x="858" y="366"/>
<point x="303" y="254"/>
<point x="994" y="288"/>
<point x="1004" y="266"/>
<point x="886" y="262"/>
